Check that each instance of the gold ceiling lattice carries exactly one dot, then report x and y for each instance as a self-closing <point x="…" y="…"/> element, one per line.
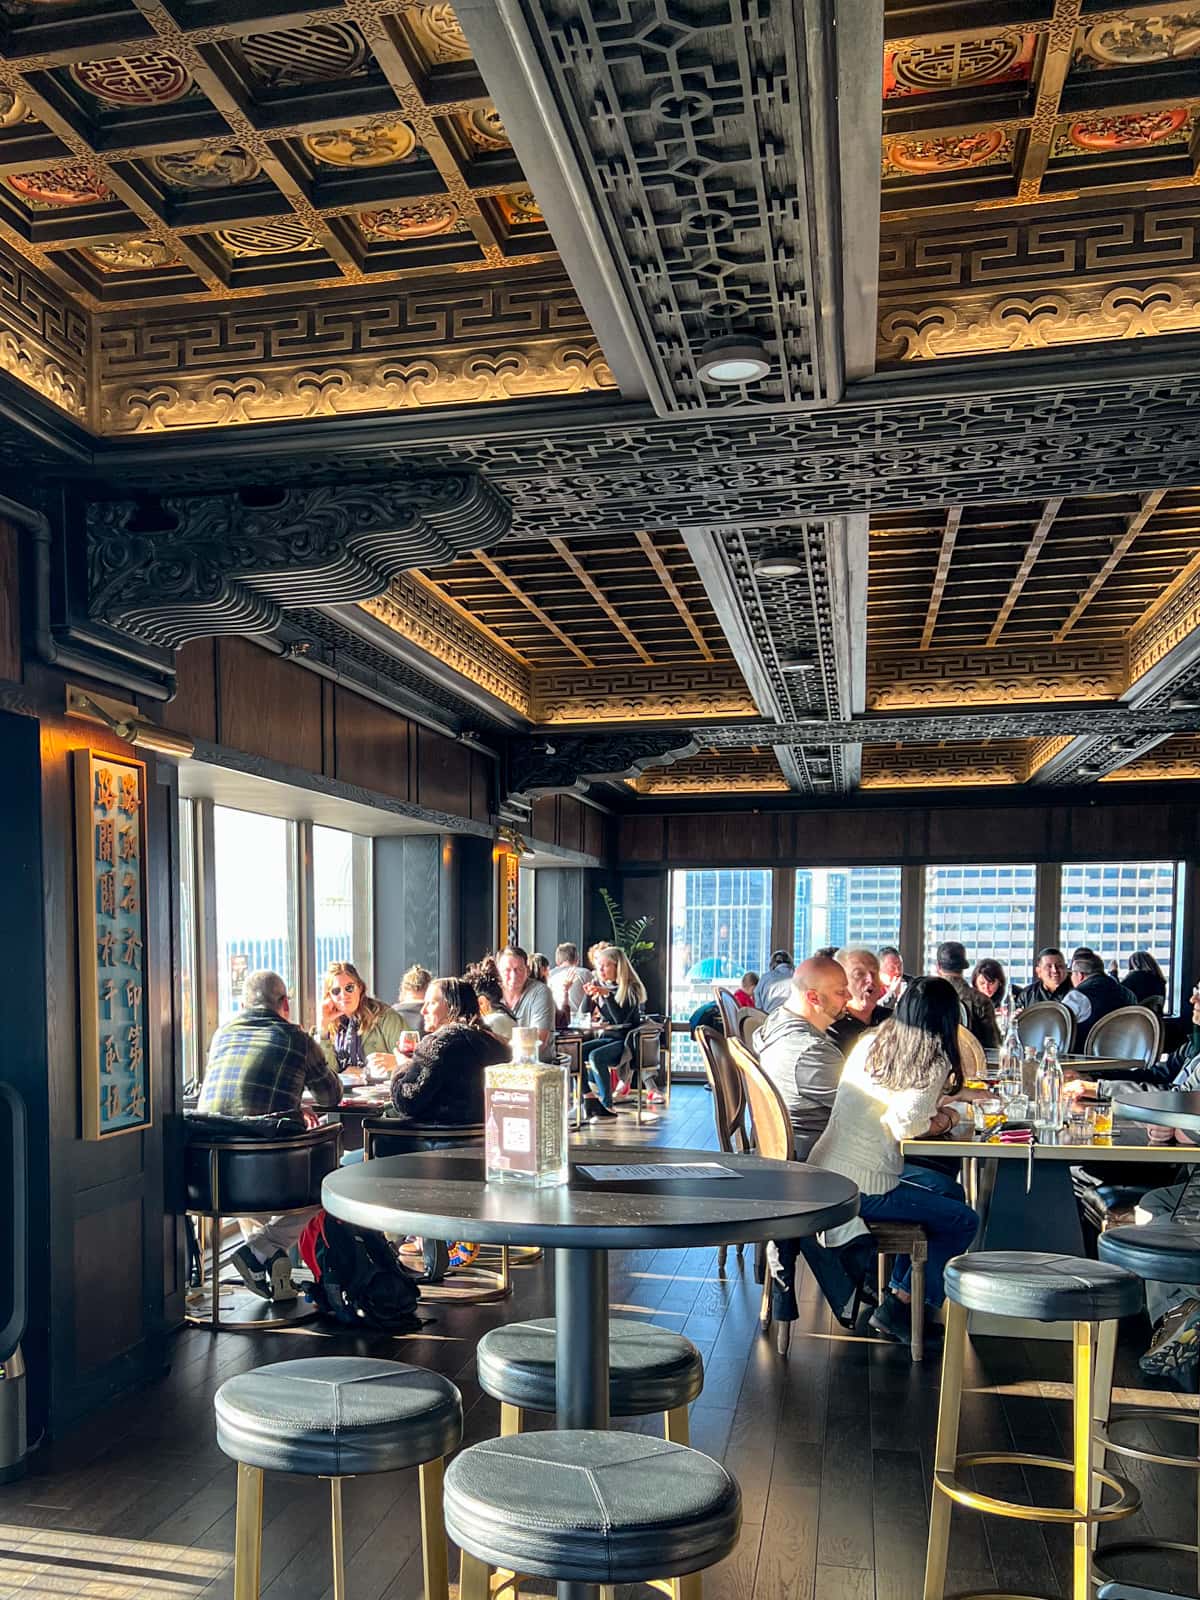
<point x="715" y="772"/>
<point x="947" y="766"/>
<point x="137" y="138"/>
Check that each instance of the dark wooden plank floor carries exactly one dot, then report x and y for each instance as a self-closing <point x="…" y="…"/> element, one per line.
<point x="833" y="1449"/>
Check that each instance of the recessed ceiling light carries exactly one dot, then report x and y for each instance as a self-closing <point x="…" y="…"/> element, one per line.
<point x="799" y="664"/>
<point x="735" y="359"/>
<point x="779" y="566"/>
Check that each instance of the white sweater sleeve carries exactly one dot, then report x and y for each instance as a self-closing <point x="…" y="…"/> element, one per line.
<point x="911" y="1111"/>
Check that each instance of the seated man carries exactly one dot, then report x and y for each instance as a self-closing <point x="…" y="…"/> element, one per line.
<point x="1093" y="994"/>
<point x="1051" y="980"/>
<point x="1173" y="1308"/>
<point x="865" y="1008"/>
<point x="259" y="1064"/>
<point x="980" y="1013"/>
<point x="771" y="990"/>
<point x="795" y="1051"/>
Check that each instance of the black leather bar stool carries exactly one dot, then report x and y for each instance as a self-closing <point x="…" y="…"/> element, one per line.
<point x="591" y="1507"/>
<point x="649" y="1369"/>
<point x="1161" y="1252"/>
<point x="1040" y="1287"/>
<point x="337" y="1417"/>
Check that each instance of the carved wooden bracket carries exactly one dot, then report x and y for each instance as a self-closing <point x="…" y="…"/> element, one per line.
<point x="166" y="570"/>
<point x="562" y="763"/>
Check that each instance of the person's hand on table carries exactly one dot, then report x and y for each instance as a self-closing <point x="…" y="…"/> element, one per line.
<point x="382" y="1063"/>
<point x="312" y="1117"/>
<point x="351" y="1076"/>
<point x="1157" y="1134"/>
<point x="1074" y="1087"/>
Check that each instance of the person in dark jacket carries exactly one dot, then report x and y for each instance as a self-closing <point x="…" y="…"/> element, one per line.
<point x="1145" y="978"/>
<point x="864" y="1009"/>
<point x="1093" y="995"/>
<point x="1051" y="979"/>
<point x="980" y="1012"/>
<point x="444" y="1082"/>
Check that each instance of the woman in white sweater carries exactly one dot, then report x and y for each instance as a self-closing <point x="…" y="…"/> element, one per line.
<point x="890" y="1090"/>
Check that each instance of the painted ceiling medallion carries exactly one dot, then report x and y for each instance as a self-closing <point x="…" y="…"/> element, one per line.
<point x="327" y="50"/>
<point x="74" y="183"/>
<point x="953" y="153"/>
<point x="958" y="64"/>
<point x="411" y="222"/>
<point x="440" y="33"/>
<point x="132" y="255"/>
<point x="207" y="169"/>
<point x="1132" y="132"/>
<point x="485" y="130"/>
<point x="12" y="109"/>
<point x="519" y="209"/>
<point x="362" y="147"/>
<point x="153" y="79"/>
<point x="267" y="239"/>
<point x="1141" y="41"/>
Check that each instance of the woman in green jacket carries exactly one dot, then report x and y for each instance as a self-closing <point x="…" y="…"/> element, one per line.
<point x="357" y="1031"/>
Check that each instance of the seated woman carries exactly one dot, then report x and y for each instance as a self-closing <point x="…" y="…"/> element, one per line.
<point x="890" y="1090"/>
<point x="484" y="978"/>
<point x="356" y="1031"/>
<point x="1146" y="980"/>
<point x="444" y="1084"/>
<point x="617" y="996"/>
<point x="412" y="996"/>
<point x="990" y="978"/>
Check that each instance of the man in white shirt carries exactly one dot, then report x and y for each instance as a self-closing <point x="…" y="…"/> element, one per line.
<point x="773" y="988"/>
<point x="567" y="979"/>
<point x="528" y="998"/>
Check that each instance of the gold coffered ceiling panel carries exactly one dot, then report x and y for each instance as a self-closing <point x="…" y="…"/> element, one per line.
<point x="715" y="772"/>
<point x="947" y="766"/>
<point x="1173" y="758"/>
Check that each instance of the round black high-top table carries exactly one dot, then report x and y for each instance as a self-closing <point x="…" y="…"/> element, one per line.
<point x="443" y="1194"/>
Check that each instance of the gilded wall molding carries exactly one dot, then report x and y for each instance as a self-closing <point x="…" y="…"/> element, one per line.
<point x="1174" y="758"/>
<point x="1174" y="616"/>
<point x="950" y="766"/>
<point x="1015" y="676"/>
<point x="415" y="610"/>
<point x="1045" y="750"/>
<point x="43" y="338"/>
<point x="632" y="694"/>
<point x="755" y="772"/>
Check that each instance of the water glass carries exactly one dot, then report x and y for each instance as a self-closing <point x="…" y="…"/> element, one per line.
<point x="988" y="1115"/>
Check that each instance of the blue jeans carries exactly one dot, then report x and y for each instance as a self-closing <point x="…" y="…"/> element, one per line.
<point x="600" y="1057"/>
<point x="937" y="1202"/>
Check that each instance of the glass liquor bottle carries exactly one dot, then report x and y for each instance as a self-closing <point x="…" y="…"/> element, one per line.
<point x="525" y="1117"/>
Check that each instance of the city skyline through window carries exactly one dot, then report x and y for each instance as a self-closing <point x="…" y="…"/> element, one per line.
<point x="988" y="909"/>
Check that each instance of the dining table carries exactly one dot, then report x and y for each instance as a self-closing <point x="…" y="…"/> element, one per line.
<point x="1084" y="1066"/>
<point x="616" y="1198"/>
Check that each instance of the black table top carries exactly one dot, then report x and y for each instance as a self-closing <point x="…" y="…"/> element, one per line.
<point x="1173" y="1108"/>
<point x="443" y="1194"/>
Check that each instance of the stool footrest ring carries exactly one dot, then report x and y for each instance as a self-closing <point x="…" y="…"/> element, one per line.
<point x="1127" y="1502"/>
<point x="1128" y="1547"/>
<point x="1103" y="1433"/>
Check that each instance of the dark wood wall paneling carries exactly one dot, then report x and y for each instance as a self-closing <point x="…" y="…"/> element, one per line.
<point x="10" y="603"/>
<point x="1049" y="831"/>
<point x="231" y="692"/>
<point x="567" y="822"/>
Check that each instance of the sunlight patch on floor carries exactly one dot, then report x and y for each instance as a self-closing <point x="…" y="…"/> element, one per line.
<point x="50" y="1563"/>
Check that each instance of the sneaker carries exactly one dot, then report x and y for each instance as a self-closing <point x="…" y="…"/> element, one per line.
<point x="251" y="1271"/>
<point x="1176" y="1341"/>
<point x="621" y="1092"/>
<point x="892" y="1319"/>
<point x="656" y="1097"/>
<point x="279" y="1275"/>
<point x="593" y="1106"/>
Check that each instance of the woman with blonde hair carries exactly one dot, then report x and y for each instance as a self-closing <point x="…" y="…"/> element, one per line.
<point x="617" y="995"/>
<point x="356" y="1030"/>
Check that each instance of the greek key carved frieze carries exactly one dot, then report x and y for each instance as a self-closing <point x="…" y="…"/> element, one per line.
<point x="1173" y="618"/>
<point x="214" y="564"/>
<point x="664" y="693"/>
<point x="945" y="766"/>
<point x="995" y="677"/>
<point x="754" y="772"/>
<point x="43" y="338"/>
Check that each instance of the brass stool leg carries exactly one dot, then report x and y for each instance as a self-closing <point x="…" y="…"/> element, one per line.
<point x="689" y="1588"/>
<point x="335" y="1529"/>
<point x="214" y="1277"/>
<point x="510" y="1420"/>
<point x="473" y="1578"/>
<point x="247" y="1537"/>
<point x="946" y="1451"/>
<point x="677" y="1428"/>
<point x="881" y="1274"/>
<point x="1083" y="1362"/>
<point x="1106" y="1356"/>
<point x="433" y="1531"/>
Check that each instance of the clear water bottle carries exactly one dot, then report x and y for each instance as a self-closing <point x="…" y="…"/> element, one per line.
<point x="1048" y="1095"/>
<point x="1029" y="1071"/>
<point x="1010" y="1084"/>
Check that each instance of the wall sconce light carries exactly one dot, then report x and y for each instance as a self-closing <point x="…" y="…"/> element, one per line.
<point x="124" y="720"/>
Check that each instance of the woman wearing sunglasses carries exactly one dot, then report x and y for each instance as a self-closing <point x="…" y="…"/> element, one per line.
<point x="357" y="1031"/>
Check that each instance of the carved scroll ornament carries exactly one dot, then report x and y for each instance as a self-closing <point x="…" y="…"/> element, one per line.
<point x="186" y="567"/>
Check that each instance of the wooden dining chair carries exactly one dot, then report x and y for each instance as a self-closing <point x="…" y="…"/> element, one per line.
<point x="729" y="1104"/>
<point x="1047" y="1019"/>
<point x="1132" y="1032"/>
<point x="728" y="1007"/>
<point x="773" y="1139"/>
<point x="750" y="1020"/>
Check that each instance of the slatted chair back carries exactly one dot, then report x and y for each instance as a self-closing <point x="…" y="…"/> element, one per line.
<point x="971" y="1054"/>
<point x="750" y="1020"/>
<point x="772" y="1125"/>
<point x="1133" y="1033"/>
<point x="728" y="1090"/>
<point x="728" y="1007"/>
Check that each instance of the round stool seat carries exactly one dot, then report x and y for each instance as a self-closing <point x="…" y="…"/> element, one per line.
<point x="649" y="1369"/>
<point x="1163" y="1252"/>
<point x="337" y="1416"/>
<point x="591" y="1507"/>
<point x="1042" y="1286"/>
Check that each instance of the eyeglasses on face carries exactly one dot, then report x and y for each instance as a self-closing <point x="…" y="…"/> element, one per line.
<point x="345" y="988"/>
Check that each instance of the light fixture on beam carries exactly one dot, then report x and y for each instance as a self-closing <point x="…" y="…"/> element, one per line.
<point x="126" y="723"/>
<point x="733" y="358"/>
<point x="799" y="663"/>
<point x="780" y="565"/>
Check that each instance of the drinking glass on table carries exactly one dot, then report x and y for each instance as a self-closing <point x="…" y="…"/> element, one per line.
<point x="988" y="1115"/>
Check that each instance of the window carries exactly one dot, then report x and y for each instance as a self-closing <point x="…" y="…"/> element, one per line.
<point x="333" y="898"/>
<point x="720" y="928"/>
<point x="988" y="909"/>
<point x="255" y="901"/>
<point x="1119" y="907"/>
<point x="189" y="963"/>
<point x="845" y="906"/>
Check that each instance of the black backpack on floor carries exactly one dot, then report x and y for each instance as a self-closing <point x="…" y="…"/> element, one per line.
<point x="357" y="1279"/>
